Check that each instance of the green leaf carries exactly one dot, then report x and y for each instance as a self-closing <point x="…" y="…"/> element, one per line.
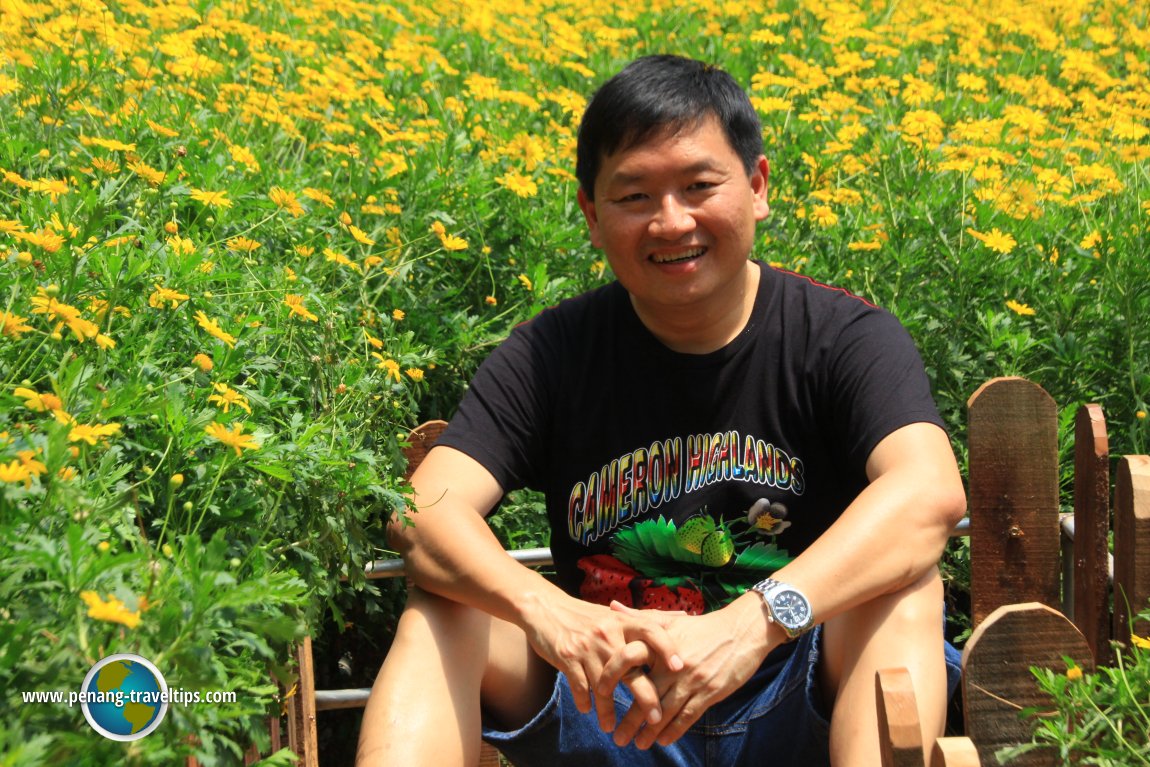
<point x="274" y="470"/>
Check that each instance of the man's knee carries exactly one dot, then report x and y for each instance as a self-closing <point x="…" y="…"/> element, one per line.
<point x="903" y="627"/>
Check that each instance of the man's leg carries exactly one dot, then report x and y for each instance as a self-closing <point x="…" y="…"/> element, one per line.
<point x="900" y="629"/>
<point x="425" y="704"/>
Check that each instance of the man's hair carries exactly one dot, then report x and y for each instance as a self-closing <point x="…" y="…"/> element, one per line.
<point x="663" y="94"/>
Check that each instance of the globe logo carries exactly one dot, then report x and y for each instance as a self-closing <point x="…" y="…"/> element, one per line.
<point x="124" y="697"/>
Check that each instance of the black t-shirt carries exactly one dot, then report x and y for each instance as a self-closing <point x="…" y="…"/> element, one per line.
<point x="654" y="463"/>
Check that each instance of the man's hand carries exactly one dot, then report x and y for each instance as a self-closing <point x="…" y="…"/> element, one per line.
<point x="579" y="639"/>
<point x="720" y="652"/>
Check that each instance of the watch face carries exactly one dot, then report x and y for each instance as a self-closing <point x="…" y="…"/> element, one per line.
<point x="790" y="608"/>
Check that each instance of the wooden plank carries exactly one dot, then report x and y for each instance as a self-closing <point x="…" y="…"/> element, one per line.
<point x="1013" y="496"/>
<point x="900" y="731"/>
<point x="954" y="752"/>
<point x="998" y="684"/>
<point x="1131" y="546"/>
<point x="303" y="738"/>
<point x="420" y="440"/>
<point x="488" y="756"/>
<point x="1091" y="530"/>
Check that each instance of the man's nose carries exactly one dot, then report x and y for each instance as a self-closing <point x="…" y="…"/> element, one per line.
<point x="673" y="219"/>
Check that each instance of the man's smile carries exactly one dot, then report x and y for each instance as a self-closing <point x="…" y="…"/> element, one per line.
<point x="674" y="258"/>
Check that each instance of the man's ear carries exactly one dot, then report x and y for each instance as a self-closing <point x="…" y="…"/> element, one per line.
<point x="760" y="178"/>
<point x="591" y="216"/>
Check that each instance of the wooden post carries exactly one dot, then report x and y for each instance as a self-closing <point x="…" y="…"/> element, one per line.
<point x="1091" y="530"/>
<point x="997" y="682"/>
<point x="900" y="731"/>
<point x="420" y="440"/>
<point x="1131" y="546"/>
<point x="1013" y="496"/>
<point x="303" y="738"/>
<point x="954" y="752"/>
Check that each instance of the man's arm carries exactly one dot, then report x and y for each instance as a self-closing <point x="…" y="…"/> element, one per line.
<point x="885" y="541"/>
<point x="450" y="551"/>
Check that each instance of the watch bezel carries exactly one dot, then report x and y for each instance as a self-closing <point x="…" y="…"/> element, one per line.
<point x="770" y="589"/>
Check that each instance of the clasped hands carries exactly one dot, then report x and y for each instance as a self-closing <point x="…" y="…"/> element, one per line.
<point x="676" y="666"/>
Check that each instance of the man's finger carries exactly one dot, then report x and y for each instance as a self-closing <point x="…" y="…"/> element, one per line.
<point x="624" y="665"/>
<point x="645" y="708"/>
<point x="650" y="627"/>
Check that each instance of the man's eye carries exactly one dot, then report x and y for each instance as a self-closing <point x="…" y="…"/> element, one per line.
<point x="633" y="197"/>
<point x="701" y="186"/>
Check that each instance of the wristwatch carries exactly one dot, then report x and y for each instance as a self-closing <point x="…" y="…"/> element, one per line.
<point x="786" y="606"/>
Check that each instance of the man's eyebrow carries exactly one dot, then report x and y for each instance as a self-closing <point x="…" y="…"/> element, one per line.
<point x="700" y="166"/>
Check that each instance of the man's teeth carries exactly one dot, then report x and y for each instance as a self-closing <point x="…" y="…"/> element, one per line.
<point x="672" y="258"/>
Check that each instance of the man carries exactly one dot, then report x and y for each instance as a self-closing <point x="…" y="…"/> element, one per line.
<point x="753" y="453"/>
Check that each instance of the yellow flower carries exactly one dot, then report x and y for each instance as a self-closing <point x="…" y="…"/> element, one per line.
<point x="997" y="241"/>
<point x="13" y="325"/>
<point x="285" y="200"/>
<point x="203" y="362"/>
<point x="390" y="365"/>
<point x="212" y="199"/>
<point x="235" y="438"/>
<point x="112" y="610"/>
<point x="105" y="342"/>
<point x="181" y="246"/>
<point x="449" y="241"/>
<point x="151" y="175"/>
<point x="244" y="156"/>
<point x="162" y="294"/>
<point x="242" y="245"/>
<point x="320" y="196"/>
<point x="415" y="374"/>
<point x="1140" y="415"/>
<point x="1019" y="309"/>
<point x="93" y="434"/>
<point x="521" y="185"/>
<point x="171" y="227"/>
<point x="63" y="314"/>
<point x="295" y="303"/>
<point x="398" y="314"/>
<point x="873" y="245"/>
<point x="1091" y="241"/>
<point x="1137" y="641"/>
<point x="491" y="300"/>
<point x="1074" y="673"/>
<point x="824" y="216"/>
<point x="360" y="236"/>
<point x="526" y="282"/>
<point x="214" y="329"/>
<point x="227" y="397"/>
<point x="15" y="471"/>
<point x="39" y="402"/>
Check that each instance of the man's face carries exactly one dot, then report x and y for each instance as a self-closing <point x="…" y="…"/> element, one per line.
<point x="676" y="217"/>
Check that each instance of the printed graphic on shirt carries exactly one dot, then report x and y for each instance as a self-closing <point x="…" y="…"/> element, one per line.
<point x="630" y="486"/>
<point x="695" y="567"/>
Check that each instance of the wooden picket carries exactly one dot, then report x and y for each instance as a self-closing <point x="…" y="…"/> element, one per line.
<point x="1012" y="496"/>
<point x="1091" y="548"/>
<point x="1016" y="579"/>
<point x="1131" y="546"/>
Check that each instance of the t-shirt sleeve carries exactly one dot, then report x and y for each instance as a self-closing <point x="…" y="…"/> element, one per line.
<point x="877" y="383"/>
<point x="501" y="418"/>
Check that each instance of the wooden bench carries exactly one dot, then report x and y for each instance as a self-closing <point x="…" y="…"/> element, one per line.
<point x="1022" y="551"/>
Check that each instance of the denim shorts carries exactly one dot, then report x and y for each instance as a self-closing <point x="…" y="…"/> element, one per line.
<point x="779" y="713"/>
